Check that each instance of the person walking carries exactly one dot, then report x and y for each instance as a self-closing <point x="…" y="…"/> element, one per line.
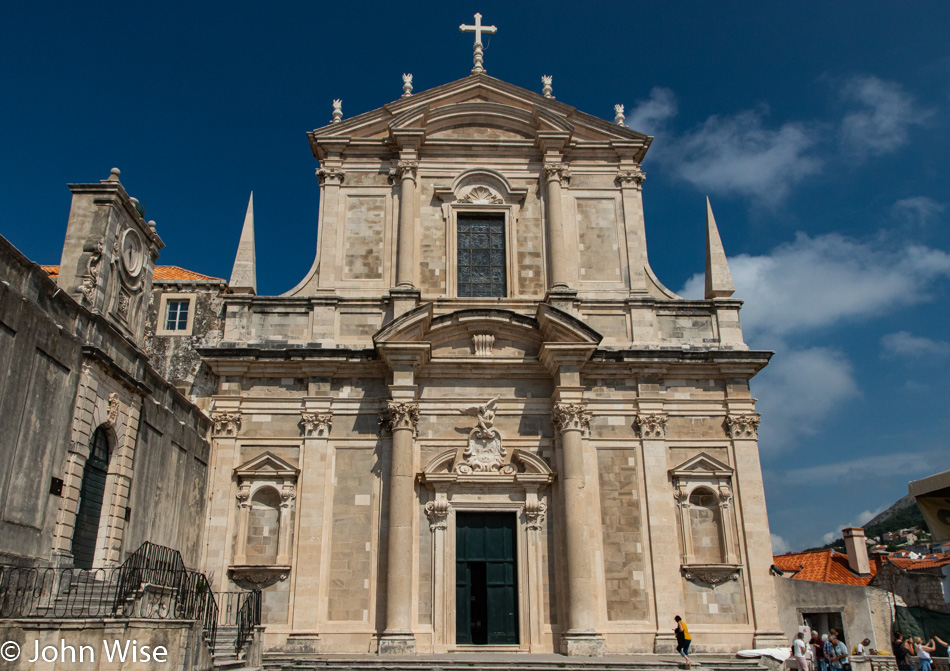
<point x="683" y="639"/>
<point x="799" y="651"/>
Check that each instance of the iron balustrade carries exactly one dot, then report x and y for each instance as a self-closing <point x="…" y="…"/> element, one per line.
<point x="241" y="610"/>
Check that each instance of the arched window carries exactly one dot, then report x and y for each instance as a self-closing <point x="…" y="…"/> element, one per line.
<point x="91" y="494"/>
<point x="705" y="526"/>
<point x="263" y="527"/>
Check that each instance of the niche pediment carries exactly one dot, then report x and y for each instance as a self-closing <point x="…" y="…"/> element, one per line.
<point x="266" y="465"/>
<point x="701" y="465"/>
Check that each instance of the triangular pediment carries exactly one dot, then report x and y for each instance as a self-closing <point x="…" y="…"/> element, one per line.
<point x="701" y="464"/>
<point x="477" y="108"/>
<point x="266" y="464"/>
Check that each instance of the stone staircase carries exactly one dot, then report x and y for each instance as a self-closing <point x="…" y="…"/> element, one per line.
<point x="223" y="655"/>
<point x="283" y="661"/>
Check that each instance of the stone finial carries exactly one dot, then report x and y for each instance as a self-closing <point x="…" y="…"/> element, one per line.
<point x="337" y="111"/>
<point x="618" y="115"/>
<point x="718" y="278"/>
<point x="406" y="85"/>
<point x="151" y="223"/>
<point x="244" y="273"/>
<point x="114" y="175"/>
<point x="546" y="85"/>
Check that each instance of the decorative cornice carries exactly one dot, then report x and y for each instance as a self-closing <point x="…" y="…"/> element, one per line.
<point x="315" y="424"/>
<point x="400" y="415"/>
<point x="331" y="176"/>
<point x="652" y="425"/>
<point x="743" y="426"/>
<point x="226" y="423"/>
<point x="438" y="513"/>
<point x="571" y="417"/>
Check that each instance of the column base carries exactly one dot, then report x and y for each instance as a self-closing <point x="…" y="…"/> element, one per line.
<point x="583" y="644"/>
<point x="397" y="644"/>
<point x="769" y="639"/>
<point x="664" y="644"/>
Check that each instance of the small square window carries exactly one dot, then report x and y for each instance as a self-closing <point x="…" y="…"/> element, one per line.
<point x="176" y="316"/>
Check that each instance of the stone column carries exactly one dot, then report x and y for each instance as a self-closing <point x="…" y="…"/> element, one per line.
<point x="581" y="638"/>
<point x="661" y="518"/>
<point x="406" y="171"/>
<point x="631" y="178"/>
<point x="398" y="637"/>
<point x="560" y="275"/>
<point x="535" y="511"/>
<point x="244" y="514"/>
<point x="331" y="220"/>
<point x="437" y="511"/>
<point x="742" y="426"/>
<point x="288" y="493"/>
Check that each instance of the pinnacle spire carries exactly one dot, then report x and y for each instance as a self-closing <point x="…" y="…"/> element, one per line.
<point x="244" y="274"/>
<point x="718" y="278"/>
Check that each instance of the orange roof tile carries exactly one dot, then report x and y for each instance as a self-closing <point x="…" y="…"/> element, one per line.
<point x="162" y="273"/>
<point x="822" y="566"/>
<point x="918" y="564"/>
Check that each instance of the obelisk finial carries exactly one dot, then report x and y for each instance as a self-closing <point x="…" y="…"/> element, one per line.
<point x="718" y="278"/>
<point x="478" y="29"/>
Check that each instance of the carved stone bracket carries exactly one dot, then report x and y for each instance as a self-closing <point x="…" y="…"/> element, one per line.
<point x="483" y="343"/>
<point x="258" y="576"/>
<point x="330" y="176"/>
<point x="743" y="426"/>
<point x="243" y="495"/>
<point x="535" y="511"/>
<point x="400" y="415"/>
<point x="288" y="493"/>
<point x="558" y="171"/>
<point x="652" y="425"/>
<point x="91" y="278"/>
<point x="438" y="513"/>
<point x="631" y="178"/>
<point x="226" y="423"/>
<point x="711" y="574"/>
<point x="315" y="424"/>
<point x="571" y="417"/>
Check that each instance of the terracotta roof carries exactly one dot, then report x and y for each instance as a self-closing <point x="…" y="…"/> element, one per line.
<point x="162" y="274"/>
<point x="822" y="566"/>
<point x="918" y="564"/>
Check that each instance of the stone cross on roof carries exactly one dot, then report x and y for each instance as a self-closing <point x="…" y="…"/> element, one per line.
<point x="478" y="29"/>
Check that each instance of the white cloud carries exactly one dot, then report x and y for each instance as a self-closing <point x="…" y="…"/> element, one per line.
<point x="738" y="155"/>
<point x="882" y="123"/>
<point x="917" y="211"/>
<point x="779" y="545"/>
<point x="863" y="469"/>
<point x="858" y="520"/>
<point x="797" y="391"/>
<point x="650" y="115"/>
<point x="906" y="344"/>
<point x="817" y="282"/>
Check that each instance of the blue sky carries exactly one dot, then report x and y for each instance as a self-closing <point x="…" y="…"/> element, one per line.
<point x="819" y="131"/>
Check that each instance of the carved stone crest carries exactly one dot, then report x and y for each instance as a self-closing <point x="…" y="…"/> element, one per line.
<point x="92" y="272"/>
<point x="226" y="423"/>
<point x="652" y="425"/>
<point x="484" y="453"/>
<point x="743" y="426"/>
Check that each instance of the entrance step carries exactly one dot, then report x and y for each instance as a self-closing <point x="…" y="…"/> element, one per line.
<point x="285" y="661"/>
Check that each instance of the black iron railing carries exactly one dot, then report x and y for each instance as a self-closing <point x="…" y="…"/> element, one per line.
<point x="153" y="583"/>
<point x="241" y="610"/>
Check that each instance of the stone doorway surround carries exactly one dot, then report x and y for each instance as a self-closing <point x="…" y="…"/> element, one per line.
<point x="520" y="489"/>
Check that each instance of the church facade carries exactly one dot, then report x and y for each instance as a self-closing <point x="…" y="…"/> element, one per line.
<point x="480" y="422"/>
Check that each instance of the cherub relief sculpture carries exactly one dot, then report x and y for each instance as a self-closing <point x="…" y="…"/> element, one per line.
<point x="486" y="417"/>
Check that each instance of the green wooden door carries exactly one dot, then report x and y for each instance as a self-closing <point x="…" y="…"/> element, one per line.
<point x="90" y="501"/>
<point x="486" y="594"/>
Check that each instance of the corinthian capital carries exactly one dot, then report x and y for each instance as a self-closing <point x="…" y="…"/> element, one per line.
<point x="558" y="171"/>
<point x="401" y="415"/>
<point x="652" y="425"/>
<point x="404" y="170"/>
<point x="743" y="426"/>
<point x="571" y="417"/>
<point x="226" y="423"/>
<point x="316" y="424"/>
<point x="631" y="178"/>
<point x="330" y="176"/>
